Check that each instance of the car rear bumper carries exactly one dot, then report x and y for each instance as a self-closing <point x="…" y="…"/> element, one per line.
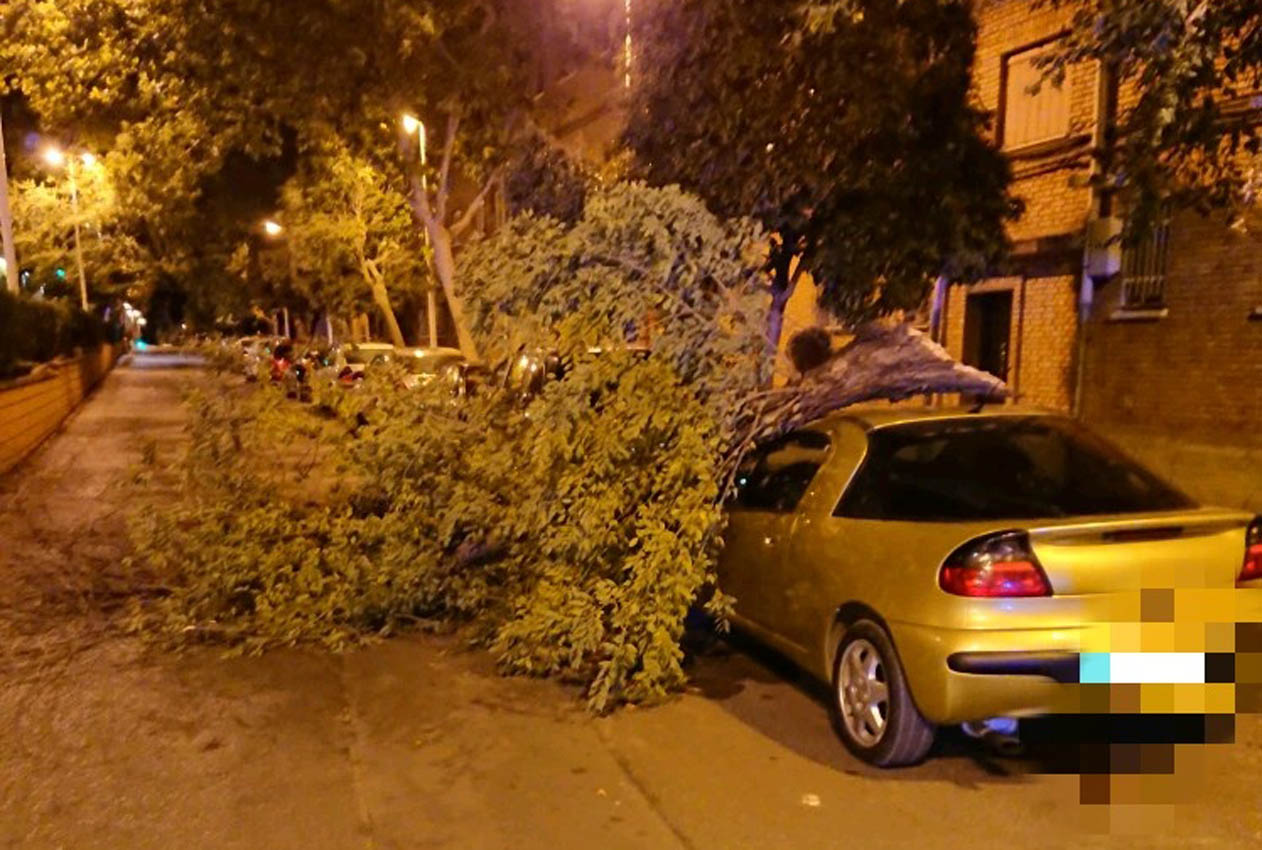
<point x="958" y="675"/>
<point x="961" y="675"/>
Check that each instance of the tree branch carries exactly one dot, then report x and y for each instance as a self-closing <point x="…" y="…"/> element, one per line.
<point x="421" y="210"/>
<point x="444" y="172"/>
<point x="467" y="218"/>
<point x="879" y="363"/>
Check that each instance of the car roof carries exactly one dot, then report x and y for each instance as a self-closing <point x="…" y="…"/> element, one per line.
<point x="873" y="416"/>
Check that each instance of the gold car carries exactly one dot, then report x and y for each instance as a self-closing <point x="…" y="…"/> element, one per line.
<point x="943" y="567"/>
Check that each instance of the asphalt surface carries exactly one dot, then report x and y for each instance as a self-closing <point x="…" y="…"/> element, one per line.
<point x="418" y="743"/>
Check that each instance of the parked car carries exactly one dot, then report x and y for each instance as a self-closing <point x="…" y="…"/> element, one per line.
<point x="947" y="567"/>
<point x="310" y="362"/>
<point x="349" y="362"/>
<point x="425" y="365"/>
<point x="282" y="359"/>
<point x="525" y="374"/>
<point x="256" y="351"/>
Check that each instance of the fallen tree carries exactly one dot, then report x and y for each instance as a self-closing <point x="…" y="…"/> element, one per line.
<point x="884" y="362"/>
<point x="570" y="532"/>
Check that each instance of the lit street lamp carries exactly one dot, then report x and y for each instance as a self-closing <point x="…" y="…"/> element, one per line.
<point x="57" y="158"/>
<point x="411" y="125"/>
<point x="273" y="229"/>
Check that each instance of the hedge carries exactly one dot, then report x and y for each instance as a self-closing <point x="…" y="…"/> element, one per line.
<point x="34" y="330"/>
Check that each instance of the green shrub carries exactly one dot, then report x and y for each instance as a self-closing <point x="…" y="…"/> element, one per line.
<point x="36" y="331"/>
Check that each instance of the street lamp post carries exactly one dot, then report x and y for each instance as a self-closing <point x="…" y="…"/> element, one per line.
<point x="6" y="221"/>
<point x="56" y="158"/>
<point x="412" y="124"/>
<point x="274" y="229"/>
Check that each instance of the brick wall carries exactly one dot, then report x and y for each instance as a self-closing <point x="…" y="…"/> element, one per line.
<point x="1042" y="334"/>
<point x="32" y="409"/>
<point x="1196" y="371"/>
<point x="1047" y="335"/>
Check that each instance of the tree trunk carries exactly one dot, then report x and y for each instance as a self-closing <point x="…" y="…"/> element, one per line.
<point x="445" y="269"/>
<point x="430" y="221"/>
<point x="935" y="310"/>
<point x="382" y="299"/>
<point x="781" y="291"/>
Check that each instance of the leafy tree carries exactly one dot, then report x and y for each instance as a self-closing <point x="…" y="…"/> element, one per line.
<point x="544" y="180"/>
<point x="574" y="534"/>
<point x="182" y="84"/>
<point x="1191" y="135"/>
<point x="856" y="144"/>
<point x="348" y="233"/>
<point x="46" y="212"/>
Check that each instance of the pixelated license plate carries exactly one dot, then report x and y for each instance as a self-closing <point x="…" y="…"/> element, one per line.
<point x="1142" y="668"/>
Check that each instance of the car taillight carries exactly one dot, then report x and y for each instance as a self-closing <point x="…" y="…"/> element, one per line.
<point x="1252" y="568"/>
<point x="999" y="565"/>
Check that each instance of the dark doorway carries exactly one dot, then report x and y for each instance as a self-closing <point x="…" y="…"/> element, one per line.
<point x="988" y="332"/>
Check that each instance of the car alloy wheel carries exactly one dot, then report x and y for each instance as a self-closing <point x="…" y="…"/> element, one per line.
<point x="863" y="693"/>
<point x="872" y="706"/>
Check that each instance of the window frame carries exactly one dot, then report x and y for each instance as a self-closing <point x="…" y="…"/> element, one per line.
<point x="1005" y="84"/>
<point x="759" y="456"/>
<point x="1146" y="290"/>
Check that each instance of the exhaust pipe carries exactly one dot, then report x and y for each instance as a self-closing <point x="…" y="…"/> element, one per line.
<point x="999" y="734"/>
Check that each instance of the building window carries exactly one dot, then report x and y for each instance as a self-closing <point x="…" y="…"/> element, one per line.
<point x="1144" y="267"/>
<point x="1030" y="118"/>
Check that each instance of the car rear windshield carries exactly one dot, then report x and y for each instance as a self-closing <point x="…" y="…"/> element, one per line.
<point x="999" y="468"/>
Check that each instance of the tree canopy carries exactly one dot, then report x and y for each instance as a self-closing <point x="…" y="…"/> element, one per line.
<point x="348" y="237"/>
<point x="47" y="210"/>
<point x="1189" y="130"/>
<point x="177" y="87"/>
<point x="856" y="144"/>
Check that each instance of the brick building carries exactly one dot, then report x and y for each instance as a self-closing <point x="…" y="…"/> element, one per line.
<point x="1168" y="358"/>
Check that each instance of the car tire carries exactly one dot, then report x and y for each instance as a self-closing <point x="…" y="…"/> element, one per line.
<point x="872" y="706"/>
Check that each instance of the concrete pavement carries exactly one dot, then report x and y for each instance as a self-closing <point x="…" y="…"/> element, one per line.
<point x="418" y="743"/>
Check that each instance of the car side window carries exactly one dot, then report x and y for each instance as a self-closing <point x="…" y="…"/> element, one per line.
<point x="775" y="477"/>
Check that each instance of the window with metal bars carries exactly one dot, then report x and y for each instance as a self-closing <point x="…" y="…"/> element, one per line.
<point x="1144" y="267"/>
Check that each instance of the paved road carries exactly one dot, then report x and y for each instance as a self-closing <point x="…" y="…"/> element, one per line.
<point x="417" y="743"/>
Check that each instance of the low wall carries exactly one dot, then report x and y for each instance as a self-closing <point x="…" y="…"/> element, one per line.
<point x="32" y="408"/>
